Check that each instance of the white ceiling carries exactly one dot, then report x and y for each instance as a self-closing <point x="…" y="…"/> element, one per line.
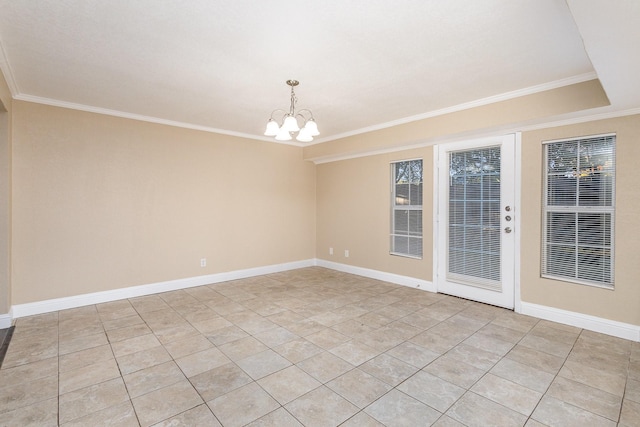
<point x="362" y="64"/>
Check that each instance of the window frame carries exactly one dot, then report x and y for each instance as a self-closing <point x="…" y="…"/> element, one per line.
<point x="578" y="209"/>
<point x="395" y="207"/>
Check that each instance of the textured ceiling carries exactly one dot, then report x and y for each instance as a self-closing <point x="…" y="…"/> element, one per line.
<point x="222" y="65"/>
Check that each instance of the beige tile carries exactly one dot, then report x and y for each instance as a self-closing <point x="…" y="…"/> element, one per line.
<point x="120" y="415"/>
<point x="165" y="403"/>
<point x="280" y="417"/>
<point x="276" y="336"/>
<point x="199" y="416"/>
<point x="413" y="354"/>
<point x="454" y="371"/>
<point x="39" y="414"/>
<point x="14" y="396"/>
<point x="610" y="382"/>
<point x="632" y="390"/>
<point x="515" y="321"/>
<point x="288" y="384"/>
<point x="298" y="350"/>
<point x="481" y="359"/>
<point x="262" y="364"/>
<point x="588" y="398"/>
<point x="555" y="348"/>
<point x="554" y="412"/>
<point x="122" y="322"/>
<point x="143" y="359"/>
<point x="513" y="396"/>
<point x="537" y="359"/>
<point x="83" y="358"/>
<point x="630" y="415"/>
<point x="179" y="332"/>
<point x="88" y="400"/>
<point x="327" y="338"/>
<point x="398" y="409"/>
<point x="24" y="352"/>
<point x="475" y="410"/>
<point x="219" y="381"/>
<point x="487" y="342"/>
<point x="525" y="375"/>
<point x="153" y="378"/>
<point x="325" y="366"/>
<point x="28" y="372"/>
<point x="127" y="332"/>
<point x="445" y="421"/>
<point x="321" y="407"/>
<point x="355" y="352"/>
<point x="202" y="361"/>
<point x="243" y="405"/>
<point x="226" y="335"/>
<point x="358" y="387"/>
<point x="134" y="345"/>
<point x="244" y="347"/>
<point x="88" y="375"/>
<point x="361" y="419"/>
<point x="434" y="391"/>
<point x="148" y="303"/>
<point x="388" y="369"/>
<point x="211" y="325"/>
<point x="352" y="328"/>
<point x="503" y="333"/>
<point x="82" y="342"/>
<point x="187" y="346"/>
<point x="305" y="327"/>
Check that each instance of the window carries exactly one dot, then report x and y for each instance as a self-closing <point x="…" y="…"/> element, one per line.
<point x="406" y="212"/>
<point x="578" y="210"/>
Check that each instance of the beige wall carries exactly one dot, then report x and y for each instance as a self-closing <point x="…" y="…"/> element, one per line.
<point x="103" y="203"/>
<point x="5" y="197"/>
<point x="467" y="123"/>
<point x="623" y="303"/>
<point x="354" y="213"/>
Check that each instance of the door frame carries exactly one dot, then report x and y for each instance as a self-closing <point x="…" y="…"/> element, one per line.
<point x="517" y="303"/>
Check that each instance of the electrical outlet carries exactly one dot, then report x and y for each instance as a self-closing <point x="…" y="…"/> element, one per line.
<point x="203" y="262"/>
<point x="346" y="253"/>
<point x="330" y="251"/>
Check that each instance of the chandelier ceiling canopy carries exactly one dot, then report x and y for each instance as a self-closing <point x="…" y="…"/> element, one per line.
<point x="289" y="124"/>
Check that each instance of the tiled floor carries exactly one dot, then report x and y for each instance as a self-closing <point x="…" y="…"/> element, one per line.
<point x="312" y="347"/>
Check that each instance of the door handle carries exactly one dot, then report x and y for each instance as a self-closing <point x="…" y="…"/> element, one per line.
<point x="507" y="229"/>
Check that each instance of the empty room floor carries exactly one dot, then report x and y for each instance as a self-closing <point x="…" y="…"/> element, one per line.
<point x="312" y="347"/>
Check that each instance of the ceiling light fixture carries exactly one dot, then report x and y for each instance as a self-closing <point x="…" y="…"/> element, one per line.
<point x="289" y="121"/>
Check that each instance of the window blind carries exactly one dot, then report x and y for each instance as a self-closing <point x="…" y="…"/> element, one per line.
<point x="578" y="210"/>
<point x="406" y="212"/>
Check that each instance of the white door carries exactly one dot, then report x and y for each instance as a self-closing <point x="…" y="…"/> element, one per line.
<point x="476" y="220"/>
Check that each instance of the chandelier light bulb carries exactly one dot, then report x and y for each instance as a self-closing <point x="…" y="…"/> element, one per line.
<point x="289" y="119"/>
<point x="283" y="135"/>
<point x="291" y="124"/>
<point x="272" y="128"/>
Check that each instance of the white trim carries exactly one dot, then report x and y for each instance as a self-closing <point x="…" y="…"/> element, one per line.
<point x="5" y="320"/>
<point x="397" y="279"/>
<point x="517" y="301"/>
<point x="584" y="321"/>
<point x="7" y="72"/>
<point x="46" y="306"/>
<point x="143" y="118"/>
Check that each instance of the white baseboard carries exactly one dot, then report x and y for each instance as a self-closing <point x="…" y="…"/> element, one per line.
<point x="411" y="282"/>
<point x="584" y="321"/>
<point x="46" y="306"/>
<point x="5" y="320"/>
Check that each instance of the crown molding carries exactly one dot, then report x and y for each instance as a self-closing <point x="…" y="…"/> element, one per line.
<point x="8" y="72"/>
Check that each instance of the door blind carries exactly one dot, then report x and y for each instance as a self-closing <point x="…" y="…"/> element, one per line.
<point x="474" y="218"/>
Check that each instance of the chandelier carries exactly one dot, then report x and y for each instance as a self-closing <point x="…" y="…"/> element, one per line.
<point x="289" y="126"/>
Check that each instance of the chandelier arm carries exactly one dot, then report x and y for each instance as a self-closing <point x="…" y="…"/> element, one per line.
<point x="275" y="111"/>
<point x="305" y="110"/>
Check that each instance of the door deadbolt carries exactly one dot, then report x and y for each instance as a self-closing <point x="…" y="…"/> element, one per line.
<point x="507" y="208"/>
<point x="508" y="217"/>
